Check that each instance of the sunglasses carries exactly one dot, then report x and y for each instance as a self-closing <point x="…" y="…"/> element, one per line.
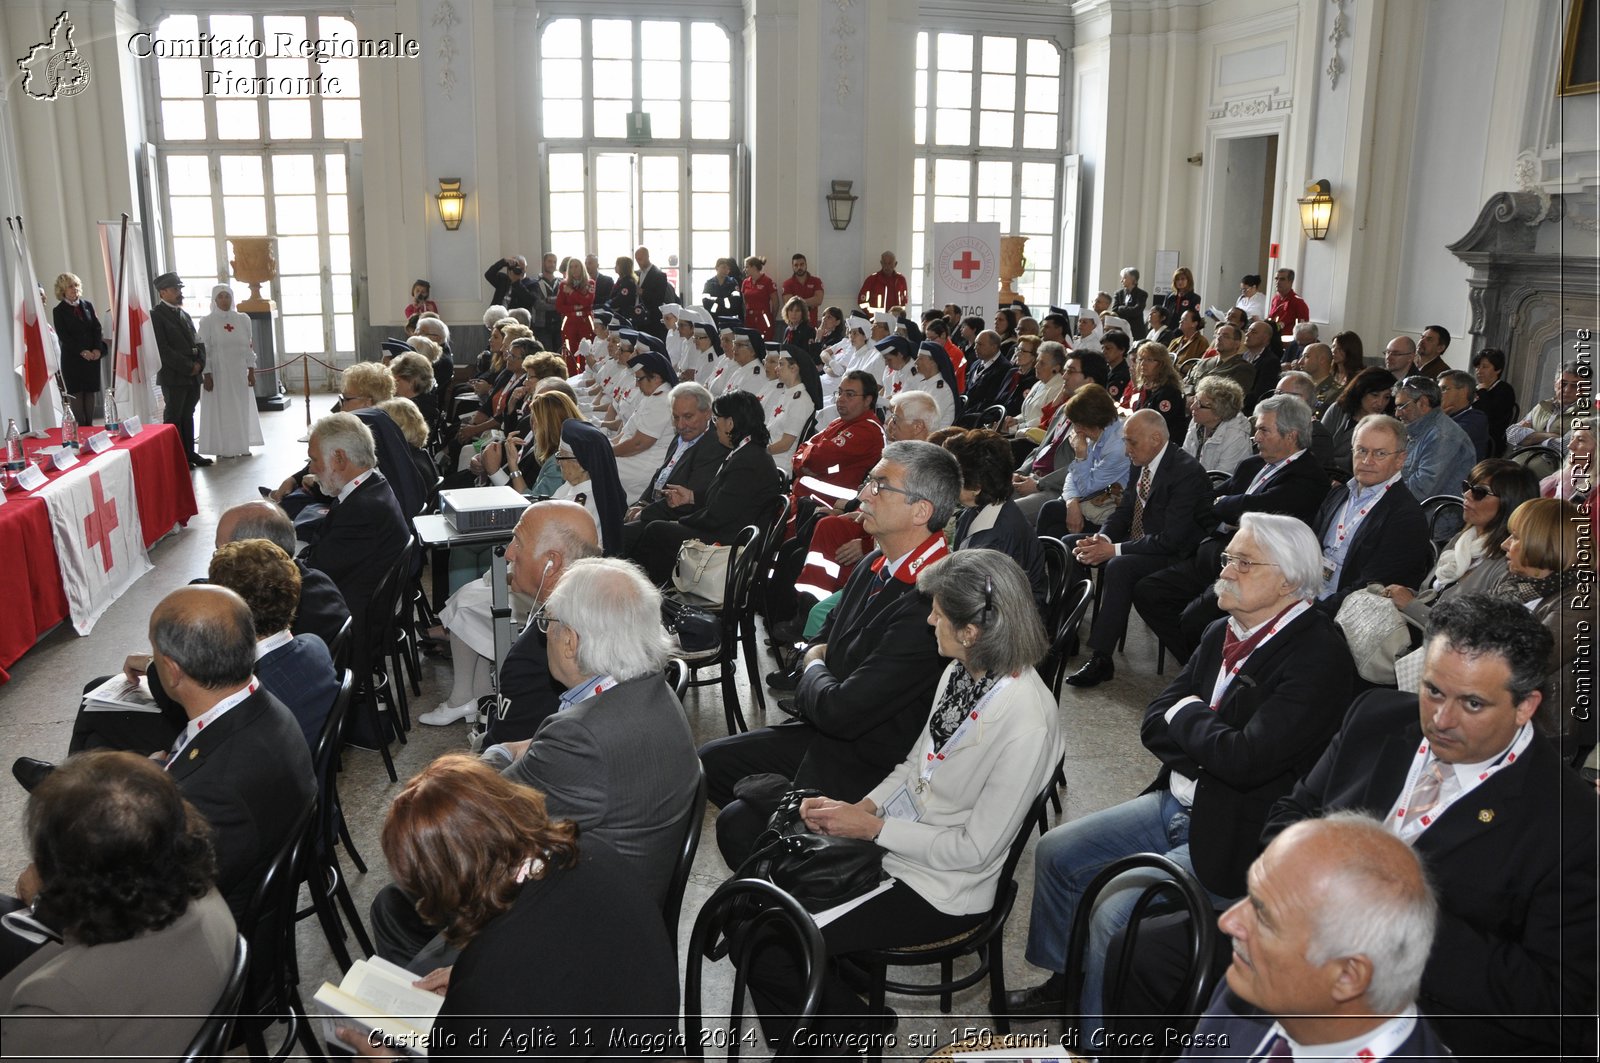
<point x="1479" y="492"/>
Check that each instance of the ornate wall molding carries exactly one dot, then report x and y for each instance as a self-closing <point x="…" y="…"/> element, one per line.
<point x="1339" y="31"/>
<point x="1251" y="106"/>
<point x="842" y="30"/>
<point x="445" y="19"/>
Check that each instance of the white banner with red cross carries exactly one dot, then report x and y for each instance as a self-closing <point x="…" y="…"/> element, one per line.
<point x="94" y="519"/>
<point x="966" y="266"/>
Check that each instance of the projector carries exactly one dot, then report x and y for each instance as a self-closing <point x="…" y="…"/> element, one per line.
<point x="480" y="509"/>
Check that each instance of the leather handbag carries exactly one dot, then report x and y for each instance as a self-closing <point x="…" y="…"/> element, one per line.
<point x="696" y="630"/>
<point x="702" y="570"/>
<point x="818" y="870"/>
<point x="1376" y="631"/>
<point x="1097" y="509"/>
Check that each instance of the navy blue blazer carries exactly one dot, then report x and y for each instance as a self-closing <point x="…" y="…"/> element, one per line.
<point x="361" y="540"/>
<point x="1231" y="1029"/>
<point x="301" y="676"/>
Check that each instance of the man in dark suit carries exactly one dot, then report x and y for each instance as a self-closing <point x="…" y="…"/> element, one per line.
<point x="654" y="293"/>
<point x="692" y="459"/>
<point x="1456" y="390"/>
<point x="1507" y="832"/>
<point x="602" y="283"/>
<point x="512" y="285"/>
<point x="868" y="679"/>
<point x="1284" y="477"/>
<point x="1249" y="714"/>
<point x="1268" y="363"/>
<point x="618" y="759"/>
<point x="1129" y="302"/>
<point x="321" y="611"/>
<point x="1371" y="530"/>
<point x="183" y="358"/>
<point x="1159" y="521"/>
<point x="1309" y="975"/>
<point x="988" y="373"/>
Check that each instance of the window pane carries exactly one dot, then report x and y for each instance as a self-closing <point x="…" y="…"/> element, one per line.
<point x="952" y="126"/>
<point x="562" y="79"/>
<point x="611" y="117"/>
<point x="303" y="335"/>
<point x="660" y="207"/>
<point x="292" y="72"/>
<point x="289" y="119"/>
<point x="711" y="120"/>
<point x="614" y="206"/>
<point x="659" y="172"/>
<point x="179" y="77"/>
<point x="994" y="179"/>
<point x="710" y="212"/>
<point x="1040" y="251"/>
<point x="562" y="37"/>
<point x="293" y="175"/>
<point x="995" y="210"/>
<point x="333" y="168"/>
<point x="341" y="119"/>
<point x="238" y="120"/>
<point x="241" y="175"/>
<point x="613" y="79"/>
<point x="293" y="25"/>
<point x="666" y="119"/>
<point x="1043" y="94"/>
<point x="299" y="254"/>
<point x="708" y="247"/>
<point x="183" y="120"/>
<point x="566" y="241"/>
<point x="996" y="129"/>
<point x="663" y="244"/>
<point x="919" y="132"/>
<point x="953" y="89"/>
<point x="708" y="81"/>
<point x="338" y="214"/>
<point x="613" y="244"/>
<point x="563" y="120"/>
<point x="1000" y="54"/>
<point x="709" y="173"/>
<point x="1039" y="130"/>
<point x="661" y="80"/>
<point x="231" y="76"/>
<point x="952" y="177"/>
<point x="301" y="295"/>
<point x="348" y="71"/>
<point x="922" y="50"/>
<point x="999" y="92"/>
<point x="660" y="40"/>
<point x="613" y="173"/>
<point x="612" y="38"/>
<point x="191" y="215"/>
<point x="338" y="252"/>
<point x="188" y="175"/>
<point x="344" y="332"/>
<point x="1036" y="215"/>
<point x="950" y="208"/>
<point x="708" y="41"/>
<point x="566" y="172"/>
<point x="1043" y="58"/>
<point x="920" y="92"/>
<point x="1039" y="180"/>
<point x="296" y="214"/>
<point x="245" y="215"/>
<point x="955" y="51"/>
<point x="343" y="300"/>
<point x="194" y="257"/>
<point x="568" y="207"/>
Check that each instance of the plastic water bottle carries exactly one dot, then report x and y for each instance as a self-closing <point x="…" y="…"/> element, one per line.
<point x="113" y="420"/>
<point x="14" y="457"/>
<point x="69" y="428"/>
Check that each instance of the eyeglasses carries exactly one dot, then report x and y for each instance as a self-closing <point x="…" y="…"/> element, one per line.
<point x="351" y="398"/>
<point x="1362" y="454"/>
<point x="877" y="485"/>
<point x="988" y="595"/>
<point x="1477" y="491"/>
<point x="1403" y="405"/>
<point x="1204" y="406"/>
<point x="542" y="620"/>
<point x="1244" y="565"/>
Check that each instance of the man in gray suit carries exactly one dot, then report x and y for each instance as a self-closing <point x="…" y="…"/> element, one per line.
<point x="617" y="758"/>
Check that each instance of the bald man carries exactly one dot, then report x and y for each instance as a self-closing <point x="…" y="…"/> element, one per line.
<point x="322" y="611"/>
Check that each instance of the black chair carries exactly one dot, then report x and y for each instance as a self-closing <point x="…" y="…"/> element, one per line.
<point x="1075" y="604"/>
<point x="321" y="871"/>
<point x="678" y="677"/>
<point x="211" y="1042"/>
<point x="1537" y="458"/>
<point x="377" y="699"/>
<point x="1197" y="985"/>
<point x="984" y="941"/>
<point x="1218" y="477"/>
<point x="755" y="904"/>
<point x="735" y="600"/>
<point x="672" y="904"/>
<point x="402" y="645"/>
<point x="992" y="416"/>
<point x="272" y="987"/>
<point x="343" y="645"/>
<point x="1056" y="566"/>
<point x="1437" y="509"/>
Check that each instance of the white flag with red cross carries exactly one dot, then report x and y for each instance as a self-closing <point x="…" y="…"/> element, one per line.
<point x="36" y="352"/>
<point x="94" y="519"/>
<point x="136" y="358"/>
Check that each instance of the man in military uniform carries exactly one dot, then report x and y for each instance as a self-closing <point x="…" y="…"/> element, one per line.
<point x="183" y="358"/>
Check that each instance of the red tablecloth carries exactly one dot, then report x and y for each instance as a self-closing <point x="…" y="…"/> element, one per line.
<point x="32" y="600"/>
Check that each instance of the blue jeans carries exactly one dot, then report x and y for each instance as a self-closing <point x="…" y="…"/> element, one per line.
<point x="1067" y="860"/>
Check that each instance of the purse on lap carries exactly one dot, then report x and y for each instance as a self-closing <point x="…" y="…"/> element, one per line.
<point x="818" y="870"/>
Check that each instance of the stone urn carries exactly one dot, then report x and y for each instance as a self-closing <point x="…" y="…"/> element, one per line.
<point x="255" y="261"/>
<point x="1011" y="266"/>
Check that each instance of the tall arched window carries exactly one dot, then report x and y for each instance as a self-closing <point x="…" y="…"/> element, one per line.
<point x="988" y="117"/>
<point x="252" y="147"/>
<point x="613" y="182"/>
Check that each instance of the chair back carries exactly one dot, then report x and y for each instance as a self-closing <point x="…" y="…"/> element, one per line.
<point x="211" y="1042"/>
<point x="672" y="904"/>
<point x="343" y="644"/>
<point x="1056" y="567"/>
<point x="1439" y="509"/>
<point x="992" y="416"/>
<point x="383" y="608"/>
<point x="1218" y="477"/>
<point x="1074" y="605"/>
<point x="741" y="575"/>
<point x="269" y="924"/>
<point x="755" y="905"/>
<point x="678" y="677"/>
<point x="1197" y="982"/>
<point x="773" y="537"/>
<point x="325" y="762"/>
<point x="1537" y="459"/>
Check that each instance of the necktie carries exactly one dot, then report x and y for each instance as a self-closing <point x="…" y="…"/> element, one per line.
<point x="1141" y="495"/>
<point x="1424" y="795"/>
<point x="880" y="580"/>
<point x="1278" y="1050"/>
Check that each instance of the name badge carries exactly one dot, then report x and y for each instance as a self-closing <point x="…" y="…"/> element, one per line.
<point x="131" y="427"/>
<point x="902" y="806"/>
<point x="100" y="442"/>
<point x="65" y="458"/>
<point x="31" y="479"/>
<point x="1328" y="568"/>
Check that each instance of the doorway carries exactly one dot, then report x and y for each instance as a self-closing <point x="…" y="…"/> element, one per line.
<point x="1242" y="213"/>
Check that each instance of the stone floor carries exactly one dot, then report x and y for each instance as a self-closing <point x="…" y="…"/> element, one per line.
<point x="1105" y="762"/>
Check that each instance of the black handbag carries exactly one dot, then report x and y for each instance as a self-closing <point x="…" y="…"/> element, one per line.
<point x="817" y="870"/>
<point x="696" y="630"/>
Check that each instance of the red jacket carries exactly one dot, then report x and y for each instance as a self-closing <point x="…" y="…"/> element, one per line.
<point x="574" y="305"/>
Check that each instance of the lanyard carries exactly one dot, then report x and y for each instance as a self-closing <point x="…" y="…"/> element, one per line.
<point x="1341" y="532"/>
<point x="1397" y="817"/>
<point x="1225" y="675"/>
<point x="1380" y="1043"/>
<point x="931" y="760"/>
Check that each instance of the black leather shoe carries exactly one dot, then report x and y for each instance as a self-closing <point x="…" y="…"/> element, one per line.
<point x="786" y="633"/>
<point x="787" y="707"/>
<point x="1047" y="998"/>
<point x="198" y="462"/>
<point x="30" y="772"/>
<point x="782" y="682"/>
<point x="1097" y="671"/>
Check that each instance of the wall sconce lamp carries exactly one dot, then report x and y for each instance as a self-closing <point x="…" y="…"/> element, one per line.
<point x="452" y="202"/>
<point x="1316" y="207"/>
<point x="841" y="204"/>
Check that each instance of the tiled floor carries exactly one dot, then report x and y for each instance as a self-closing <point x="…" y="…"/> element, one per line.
<point x="1105" y="762"/>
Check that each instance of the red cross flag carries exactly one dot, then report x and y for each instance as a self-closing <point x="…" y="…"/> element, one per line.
<point x="99" y="541"/>
<point x="35" y="349"/>
<point x="137" y="360"/>
<point x="966" y="266"/>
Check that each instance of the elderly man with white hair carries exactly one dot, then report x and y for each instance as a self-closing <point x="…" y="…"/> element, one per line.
<point x="1250" y="713"/>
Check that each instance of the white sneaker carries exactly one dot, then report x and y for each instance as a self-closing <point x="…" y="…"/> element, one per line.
<point x="446" y="714"/>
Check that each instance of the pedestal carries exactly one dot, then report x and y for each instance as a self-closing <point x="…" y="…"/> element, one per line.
<point x="269" y="389"/>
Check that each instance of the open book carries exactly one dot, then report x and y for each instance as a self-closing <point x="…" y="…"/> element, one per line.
<point x="119" y="694"/>
<point x="376" y="995"/>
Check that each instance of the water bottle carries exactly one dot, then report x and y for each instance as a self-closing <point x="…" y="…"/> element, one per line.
<point x="113" y="420"/>
<point x="14" y="457"/>
<point x="69" y="429"/>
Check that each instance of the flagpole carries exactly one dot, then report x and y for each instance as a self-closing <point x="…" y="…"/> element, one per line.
<point x="116" y="327"/>
<point x="22" y="249"/>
